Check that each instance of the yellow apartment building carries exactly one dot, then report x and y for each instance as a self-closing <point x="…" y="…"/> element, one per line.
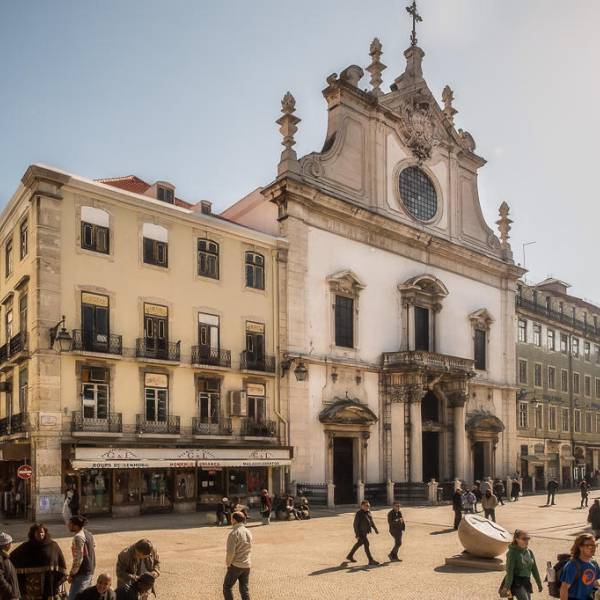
<point x="138" y="354"/>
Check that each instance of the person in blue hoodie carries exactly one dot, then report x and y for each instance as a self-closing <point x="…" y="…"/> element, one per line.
<point x="579" y="577"/>
<point x="520" y="566"/>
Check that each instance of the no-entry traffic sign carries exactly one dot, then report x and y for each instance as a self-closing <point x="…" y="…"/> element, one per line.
<point x="25" y="472"/>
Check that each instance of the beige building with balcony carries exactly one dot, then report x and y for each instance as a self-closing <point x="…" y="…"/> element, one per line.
<point x="140" y="340"/>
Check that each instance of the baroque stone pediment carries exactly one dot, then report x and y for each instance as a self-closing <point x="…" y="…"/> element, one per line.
<point x="347" y="411"/>
<point x="484" y="421"/>
<point x="346" y="282"/>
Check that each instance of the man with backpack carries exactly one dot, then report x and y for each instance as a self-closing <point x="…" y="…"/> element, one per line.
<point x="579" y="576"/>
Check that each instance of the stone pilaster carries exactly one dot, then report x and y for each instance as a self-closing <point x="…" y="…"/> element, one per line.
<point x="416" y="436"/>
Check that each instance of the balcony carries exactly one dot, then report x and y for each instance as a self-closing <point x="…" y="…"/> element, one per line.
<point x="157" y="349"/>
<point x="211" y="429"/>
<point x="430" y="361"/>
<point x="264" y="364"/>
<point x="254" y="428"/>
<point x="112" y="424"/>
<point x="15" y="348"/>
<point x="170" y="426"/>
<point x="211" y="356"/>
<point x="18" y="423"/>
<point x="90" y="342"/>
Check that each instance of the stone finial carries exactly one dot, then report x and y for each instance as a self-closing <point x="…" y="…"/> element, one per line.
<point x="447" y="99"/>
<point x="504" y="223"/>
<point x="288" y="127"/>
<point x="376" y="67"/>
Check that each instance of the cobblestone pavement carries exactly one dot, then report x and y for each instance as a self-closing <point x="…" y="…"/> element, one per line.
<point x="302" y="560"/>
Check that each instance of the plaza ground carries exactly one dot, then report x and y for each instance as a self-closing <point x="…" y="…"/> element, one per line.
<point x="302" y="560"/>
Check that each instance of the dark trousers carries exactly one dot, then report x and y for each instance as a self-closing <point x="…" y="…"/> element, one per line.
<point x="397" y="535"/>
<point x="550" y="499"/>
<point x="362" y="540"/>
<point x="584" y="501"/>
<point x="457" y="518"/>
<point x="490" y="513"/>
<point x="500" y="499"/>
<point x="236" y="574"/>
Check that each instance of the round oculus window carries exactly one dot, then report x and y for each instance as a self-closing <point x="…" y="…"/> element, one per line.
<point x="418" y="194"/>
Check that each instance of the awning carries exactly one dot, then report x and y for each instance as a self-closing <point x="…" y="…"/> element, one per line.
<point x="175" y="464"/>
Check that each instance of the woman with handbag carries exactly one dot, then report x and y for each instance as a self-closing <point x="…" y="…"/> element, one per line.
<point x="520" y="566"/>
<point x="40" y="565"/>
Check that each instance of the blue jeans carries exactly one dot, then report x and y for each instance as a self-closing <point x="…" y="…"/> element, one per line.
<point x="79" y="583"/>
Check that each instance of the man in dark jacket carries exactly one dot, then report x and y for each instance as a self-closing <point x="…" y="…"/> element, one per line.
<point x="100" y="591"/>
<point x="551" y="488"/>
<point x="9" y="584"/>
<point x="457" y="507"/>
<point x="499" y="491"/>
<point x="136" y="560"/>
<point x="136" y="590"/>
<point x="396" y="526"/>
<point x="363" y="525"/>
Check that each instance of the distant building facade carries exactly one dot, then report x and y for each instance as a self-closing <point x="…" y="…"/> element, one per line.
<point x="558" y="374"/>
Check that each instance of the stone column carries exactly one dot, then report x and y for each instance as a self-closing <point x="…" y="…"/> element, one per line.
<point x="390" y="492"/>
<point x="360" y="491"/>
<point x="459" y="438"/>
<point x="330" y="495"/>
<point x="416" y="436"/>
<point x="432" y="488"/>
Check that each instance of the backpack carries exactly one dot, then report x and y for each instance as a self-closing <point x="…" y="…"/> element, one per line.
<point x="554" y="586"/>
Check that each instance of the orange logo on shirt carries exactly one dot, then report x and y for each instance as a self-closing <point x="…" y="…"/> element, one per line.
<point x="588" y="577"/>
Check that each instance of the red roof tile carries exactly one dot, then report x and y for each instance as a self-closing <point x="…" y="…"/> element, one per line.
<point x="131" y="183"/>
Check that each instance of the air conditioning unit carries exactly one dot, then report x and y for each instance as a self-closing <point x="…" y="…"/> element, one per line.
<point x="238" y="404"/>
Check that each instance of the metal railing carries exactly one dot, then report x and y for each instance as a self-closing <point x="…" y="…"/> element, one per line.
<point x="18" y="423"/>
<point x="252" y="427"/>
<point x="90" y="342"/>
<point x="430" y="360"/>
<point x="171" y="424"/>
<point x="265" y="364"/>
<point x="211" y="356"/>
<point x="18" y="343"/>
<point x="201" y="428"/>
<point x="113" y="423"/>
<point x="154" y="348"/>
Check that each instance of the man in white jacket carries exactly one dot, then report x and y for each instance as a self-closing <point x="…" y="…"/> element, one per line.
<point x="239" y="544"/>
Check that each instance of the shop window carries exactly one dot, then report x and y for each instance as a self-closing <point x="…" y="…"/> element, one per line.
<point x="126" y="489"/>
<point x="94" y="496"/>
<point x="257" y="402"/>
<point x="94" y="392"/>
<point x="255" y="270"/>
<point x="211" y="485"/>
<point x="185" y="485"/>
<point x="208" y="259"/>
<point x="94" y="229"/>
<point x="156" y="489"/>
<point x="209" y="400"/>
<point x="246" y="482"/>
<point x="156" y="398"/>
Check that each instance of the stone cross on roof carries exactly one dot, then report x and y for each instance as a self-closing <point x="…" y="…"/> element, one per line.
<point x="416" y="18"/>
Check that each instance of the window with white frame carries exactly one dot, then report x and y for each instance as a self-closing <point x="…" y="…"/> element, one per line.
<point x="576" y="383"/>
<point x="156" y="397"/>
<point x="597" y="422"/>
<point x="564" y="380"/>
<point x="564" y="341"/>
<point x="552" y="418"/>
<point x="551" y="337"/>
<point x="597" y="387"/>
<point x="522" y="371"/>
<point x="94" y="229"/>
<point x="257" y="402"/>
<point x="587" y="385"/>
<point x="587" y="351"/>
<point x="23" y="388"/>
<point x="209" y="400"/>
<point x="588" y="422"/>
<point x="597" y="350"/>
<point x="94" y="392"/>
<point x="523" y="421"/>
<point x="537" y="335"/>
<point x="565" y="424"/>
<point x="539" y="416"/>
<point x="155" y="245"/>
<point x="522" y="330"/>
<point x="551" y="378"/>
<point x="537" y="375"/>
<point x="575" y="347"/>
<point x="577" y="420"/>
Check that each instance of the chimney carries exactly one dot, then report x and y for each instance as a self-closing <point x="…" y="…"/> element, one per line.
<point x="206" y="207"/>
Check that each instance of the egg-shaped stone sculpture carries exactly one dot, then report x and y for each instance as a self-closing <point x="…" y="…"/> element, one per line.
<point x="482" y="537"/>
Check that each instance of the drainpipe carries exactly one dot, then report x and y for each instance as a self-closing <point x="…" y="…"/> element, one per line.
<point x="572" y="403"/>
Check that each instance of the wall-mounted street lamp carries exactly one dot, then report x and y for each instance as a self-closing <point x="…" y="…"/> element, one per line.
<point x="61" y="339"/>
<point x="301" y="372"/>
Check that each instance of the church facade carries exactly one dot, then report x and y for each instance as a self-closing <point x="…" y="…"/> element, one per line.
<point x="397" y="300"/>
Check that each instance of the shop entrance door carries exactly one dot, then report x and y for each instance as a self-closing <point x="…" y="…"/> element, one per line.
<point x="343" y="470"/>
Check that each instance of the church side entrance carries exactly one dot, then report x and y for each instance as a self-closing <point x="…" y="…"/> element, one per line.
<point x="343" y="470"/>
<point x="431" y="455"/>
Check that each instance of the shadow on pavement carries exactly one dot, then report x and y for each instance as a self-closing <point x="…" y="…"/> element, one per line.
<point x="345" y="566"/>
<point x="458" y="570"/>
<point x="442" y="531"/>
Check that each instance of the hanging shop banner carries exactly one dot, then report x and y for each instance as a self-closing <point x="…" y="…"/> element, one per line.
<point x="181" y="454"/>
<point x="134" y="464"/>
<point x="212" y="464"/>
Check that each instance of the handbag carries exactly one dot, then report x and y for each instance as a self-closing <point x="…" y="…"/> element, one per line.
<point x="62" y="592"/>
<point x="503" y="591"/>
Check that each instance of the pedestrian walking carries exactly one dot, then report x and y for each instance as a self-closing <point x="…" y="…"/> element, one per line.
<point x="67" y="513"/>
<point x="594" y="518"/>
<point x="477" y="493"/>
<point x="136" y="590"/>
<point x="457" y="507"/>
<point x="237" y="559"/>
<point x="224" y="512"/>
<point x="516" y="490"/>
<point x="40" y="565"/>
<point x="101" y="591"/>
<point x="9" y="583"/>
<point x="266" y="506"/>
<point x="579" y="576"/>
<point x="84" y="556"/>
<point x="363" y="525"/>
<point x="468" y="501"/>
<point x="135" y="560"/>
<point x="552" y="487"/>
<point x="396" y="527"/>
<point x="585" y="492"/>
<point x="499" y="491"/>
<point x="489" y="503"/>
<point x="520" y="566"/>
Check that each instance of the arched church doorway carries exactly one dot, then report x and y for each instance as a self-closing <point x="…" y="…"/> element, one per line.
<point x="430" y="418"/>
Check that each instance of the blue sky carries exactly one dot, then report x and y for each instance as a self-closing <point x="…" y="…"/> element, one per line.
<point x="188" y="91"/>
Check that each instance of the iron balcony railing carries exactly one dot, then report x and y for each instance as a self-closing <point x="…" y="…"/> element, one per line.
<point x="199" y="427"/>
<point x="266" y="364"/>
<point x="171" y="425"/>
<point x="113" y="423"/>
<point x="155" y="348"/>
<point x="428" y="360"/>
<point x="211" y="356"/>
<point x="557" y="316"/>
<point x="18" y="423"/>
<point x="18" y="343"/>
<point x="93" y="342"/>
<point x="252" y="427"/>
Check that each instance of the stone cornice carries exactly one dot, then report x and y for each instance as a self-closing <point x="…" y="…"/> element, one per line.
<point x="36" y="176"/>
<point x="324" y="211"/>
